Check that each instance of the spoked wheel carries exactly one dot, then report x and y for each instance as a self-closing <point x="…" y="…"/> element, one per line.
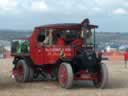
<point x="101" y="77"/>
<point x="65" y="75"/>
<point x="22" y="71"/>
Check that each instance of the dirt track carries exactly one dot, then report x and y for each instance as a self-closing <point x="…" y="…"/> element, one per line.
<point x="118" y="84"/>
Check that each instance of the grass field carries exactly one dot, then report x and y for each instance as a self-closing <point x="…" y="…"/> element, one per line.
<point x="118" y="84"/>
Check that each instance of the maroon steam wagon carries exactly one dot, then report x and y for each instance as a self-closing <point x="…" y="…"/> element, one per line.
<point x="65" y="52"/>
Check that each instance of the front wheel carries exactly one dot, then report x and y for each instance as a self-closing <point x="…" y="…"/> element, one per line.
<point x="101" y="80"/>
<point x="65" y="75"/>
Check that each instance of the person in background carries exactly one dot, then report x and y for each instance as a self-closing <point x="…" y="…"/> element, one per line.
<point x="126" y="58"/>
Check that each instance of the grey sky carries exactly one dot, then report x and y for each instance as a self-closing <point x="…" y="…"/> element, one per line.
<point x="110" y="15"/>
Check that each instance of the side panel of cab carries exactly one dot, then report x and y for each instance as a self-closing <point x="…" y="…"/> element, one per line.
<point x="47" y="53"/>
<point x="36" y="51"/>
<point x="54" y="53"/>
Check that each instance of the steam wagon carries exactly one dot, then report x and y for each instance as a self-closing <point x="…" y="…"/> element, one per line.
<point x="65" y="52"/>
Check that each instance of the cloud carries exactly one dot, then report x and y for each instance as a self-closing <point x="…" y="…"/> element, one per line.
<point x="97" y="9"/>
<point x="120" y="11"/>
<point x="69" y="7"/>
<point x="83" y="6"/>
<point x="62" y="6"/>
<point x="32" y="12"/>
<point x="22" y="6"/>
<point x="126" y="4"/>
<point x="39" y="6"/>
<point x="6" y="5"/>
<point x="109" y="3"/>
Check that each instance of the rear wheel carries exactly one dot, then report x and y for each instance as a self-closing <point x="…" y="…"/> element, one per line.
<point x="22" y="71"/>
<point x="65" y="75"/>
<point x="101" y="77"/>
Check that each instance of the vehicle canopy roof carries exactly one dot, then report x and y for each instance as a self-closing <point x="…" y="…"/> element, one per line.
<point x="68" y="25"/>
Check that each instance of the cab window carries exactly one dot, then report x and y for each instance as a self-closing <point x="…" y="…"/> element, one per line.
<point x="43" y="38"/>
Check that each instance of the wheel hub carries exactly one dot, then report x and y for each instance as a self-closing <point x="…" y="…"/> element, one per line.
<point x="63" y="75"/>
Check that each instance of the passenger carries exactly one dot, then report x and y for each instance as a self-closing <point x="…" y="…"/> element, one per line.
<point x="126" y="58"/>
<point x="60" y="40"/>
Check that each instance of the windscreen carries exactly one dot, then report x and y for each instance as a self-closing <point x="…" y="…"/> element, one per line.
<point x="89" y="37"/>
<point x="67" y="34"/>
<point x="71" y="34"/>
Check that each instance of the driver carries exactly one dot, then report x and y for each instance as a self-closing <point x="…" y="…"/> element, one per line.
<point x="43" y="39"/>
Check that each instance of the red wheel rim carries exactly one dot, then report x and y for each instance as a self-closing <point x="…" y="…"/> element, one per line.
<point x="20" y="72"/>
<point x="63" y="75"/>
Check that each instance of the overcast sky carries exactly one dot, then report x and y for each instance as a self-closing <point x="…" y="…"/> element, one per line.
<point x="110" y="15"/>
